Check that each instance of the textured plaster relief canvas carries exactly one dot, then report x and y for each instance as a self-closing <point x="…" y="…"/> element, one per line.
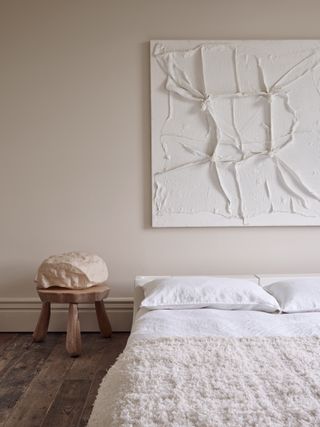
<point x="235" y="133"/>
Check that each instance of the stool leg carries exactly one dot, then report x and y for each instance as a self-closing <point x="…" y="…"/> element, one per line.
<point x="41" y="329"/>
<point x="73" y="341"/>
<point x="103" y="320"/>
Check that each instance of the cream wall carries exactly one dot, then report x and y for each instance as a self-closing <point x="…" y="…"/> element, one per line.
<point x="75" y="138"/>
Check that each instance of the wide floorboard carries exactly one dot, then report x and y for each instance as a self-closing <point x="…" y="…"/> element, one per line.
<point x="41" y="385"/>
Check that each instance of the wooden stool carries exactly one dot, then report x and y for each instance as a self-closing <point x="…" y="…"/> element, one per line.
<point x="73" y="297"/>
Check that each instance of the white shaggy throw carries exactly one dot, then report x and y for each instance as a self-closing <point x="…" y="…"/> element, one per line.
<point x="222" y="382"/>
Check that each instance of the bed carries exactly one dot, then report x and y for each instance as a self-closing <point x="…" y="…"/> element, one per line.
<point x="215" y="367"/>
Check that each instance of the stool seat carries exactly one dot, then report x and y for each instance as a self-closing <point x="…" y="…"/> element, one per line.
<point x="73" y="297"/>
<point x="77" y="296"/>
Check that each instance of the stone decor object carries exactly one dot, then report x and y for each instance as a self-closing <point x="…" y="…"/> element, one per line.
<point x="73" y="270"/>
<point x="235" y="132"/>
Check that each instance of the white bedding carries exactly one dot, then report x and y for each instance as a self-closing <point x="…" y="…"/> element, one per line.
<point x="212" y="381"/>
<point x="211" y="322"/>
<point x="193" y="376"/>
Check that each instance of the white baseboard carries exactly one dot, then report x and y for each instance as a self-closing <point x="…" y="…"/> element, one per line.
<point x="21" y="315"/>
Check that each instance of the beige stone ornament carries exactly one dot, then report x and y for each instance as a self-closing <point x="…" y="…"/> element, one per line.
<point x="74" y="270"/>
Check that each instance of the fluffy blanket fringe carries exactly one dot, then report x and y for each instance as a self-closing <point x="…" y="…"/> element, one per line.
<point x="212" y="381"/>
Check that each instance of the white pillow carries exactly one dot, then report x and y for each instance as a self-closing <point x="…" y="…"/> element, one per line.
<point x="296" y="295"/>
<point x="199" y="292"/>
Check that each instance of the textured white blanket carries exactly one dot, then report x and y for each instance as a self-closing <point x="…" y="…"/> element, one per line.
<point x="223" y="382"/>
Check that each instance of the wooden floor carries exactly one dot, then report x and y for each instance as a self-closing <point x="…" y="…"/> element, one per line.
<point x="40" y="385"/>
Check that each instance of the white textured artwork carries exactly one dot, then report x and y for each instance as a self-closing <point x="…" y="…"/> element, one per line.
<point x="235" y="133"/>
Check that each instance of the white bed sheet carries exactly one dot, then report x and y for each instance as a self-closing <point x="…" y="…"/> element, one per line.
<point x="211" y="322"/>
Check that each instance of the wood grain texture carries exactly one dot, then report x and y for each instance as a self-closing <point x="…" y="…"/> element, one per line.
<point x="85" y="366"/>
<point x="73" y="340"/>
<point x="108" y="357"/>
<point x="67" y="407"/>
<point x="20" y="373"/>
<point x="73" y="297"/>
<point x="43" y="386"/>
<point x="12" y="352"/>
<point x="5" y="340"/>
<point x="76" y="296"/>
<point x="42" y="389"/>
<point x="103" y="320"/>
<point x="41" y="329"/>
